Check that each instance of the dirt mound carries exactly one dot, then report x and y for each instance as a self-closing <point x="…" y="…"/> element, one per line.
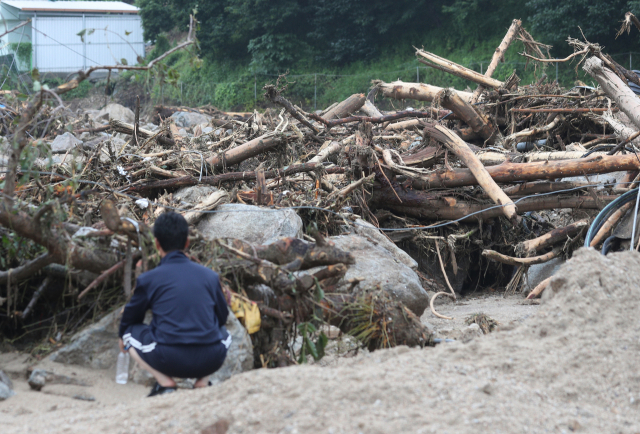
<point x="571" y="367"/>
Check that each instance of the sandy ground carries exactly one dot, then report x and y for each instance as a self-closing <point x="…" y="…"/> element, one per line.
<point x="568" y="365"/>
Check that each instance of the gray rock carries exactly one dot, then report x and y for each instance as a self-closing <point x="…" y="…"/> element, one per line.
<point x="37" y="379"/>
<point x="194" y="195"/>
<point x="4" y="378"/>
<point x="239" y="355"/>
<point x="189" y="119"/>
<point x="207" y="130"/>
<point x="65" y="142"/>
<point x="537" y="273"/>
<point x="251" y="223"/>
<point x="150" y="127"/>
<point x="373" y="234"/>
<point x="470" y="333"/>
<point x="5" y="392"/>
<point x="94" y="347"/>
<point x="378" y="267"/>
<point x="117" y="112"/>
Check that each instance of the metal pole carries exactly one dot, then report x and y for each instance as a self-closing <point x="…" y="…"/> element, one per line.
<point x="255" y="88"/>
<point x="556" y="72"/>
<point x="84" y="43"/>
<point x="417" y="74"/>
<point x="481" y="71"/>
<point x="181" y="97"/>
<point x="35" y="40"/>
<point x="315" y="90"/>
<point x="630" y="62"/>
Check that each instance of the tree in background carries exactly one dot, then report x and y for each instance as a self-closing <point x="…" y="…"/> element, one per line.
<point x="553" y="22"/>
<point x="274" y="35"/>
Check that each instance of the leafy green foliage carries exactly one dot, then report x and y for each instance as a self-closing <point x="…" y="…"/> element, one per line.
<point x="552" y="22"/>
<point x="309" y="347"/>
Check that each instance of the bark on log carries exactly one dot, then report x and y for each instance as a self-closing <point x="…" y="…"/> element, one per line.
<point x="457" y="70"/>
<point x="346" y="107"/>
<point x="530" y="247"/>
<point x="460" y="148"/>
<point x="430" y="206"/>
<point x="247" y="150"/>
<point x="618" y="90"/>
<point x="26" y="270"/>
<point x="622" y="131"/>
<point x="512" y="172"/>
<point x="498" y="56"/>
<point x="425" y="157"/>
<point x="415" y="91"/>
<point x="478" y="122"/>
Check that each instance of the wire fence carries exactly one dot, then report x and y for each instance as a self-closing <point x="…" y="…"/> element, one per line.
<point x="316" y="90"/>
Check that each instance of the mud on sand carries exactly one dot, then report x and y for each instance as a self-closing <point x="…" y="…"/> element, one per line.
<point x="570" y="367"/>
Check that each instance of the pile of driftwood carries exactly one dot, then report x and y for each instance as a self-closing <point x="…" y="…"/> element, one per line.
<point x="461" y="183"/>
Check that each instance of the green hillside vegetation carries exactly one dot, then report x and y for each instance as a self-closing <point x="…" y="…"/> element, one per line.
<point x="333" y="48"/>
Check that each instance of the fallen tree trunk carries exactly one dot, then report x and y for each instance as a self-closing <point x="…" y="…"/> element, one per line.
<point x="346" y="107"/>
<point x="513" y="172"/>
<point x="529" y="247"/>
<point x="431" y="206"/>
<point x="460" y="148"/>
<point x="443" y="64"/>
<point x="415" y="91"/>
<point x="246" y="150"/>
<point x="478" y="122"/>
<point x="498" y="56"/>
<point x="618" y="90"/>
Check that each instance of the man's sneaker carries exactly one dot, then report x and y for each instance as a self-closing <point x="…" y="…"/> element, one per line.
<point x="157" y="389"/>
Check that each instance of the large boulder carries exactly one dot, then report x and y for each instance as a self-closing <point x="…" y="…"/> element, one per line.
<point x="379" y="267"/>
<point x="375" y="236"/>
<point x="116" y="112"/>
<point x="97" y="347"/>
<point x="240" y="353"/>
<point x="94" y="347"/>
<point x="6" y="386"/>
<point x="65" y="142"/>
<point x="251" y="223"/>
<point x="189" y="119"/>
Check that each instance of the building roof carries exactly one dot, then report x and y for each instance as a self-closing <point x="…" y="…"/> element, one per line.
<point x="72" y="6"/>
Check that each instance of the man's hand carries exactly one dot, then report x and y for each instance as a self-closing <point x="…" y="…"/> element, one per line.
<point x="121" y="344"/>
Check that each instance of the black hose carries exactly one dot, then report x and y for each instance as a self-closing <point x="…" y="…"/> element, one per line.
<point x="607" y="211"/>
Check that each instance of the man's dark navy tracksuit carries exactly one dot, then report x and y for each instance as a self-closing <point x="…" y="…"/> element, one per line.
<point x="186" y="337"/>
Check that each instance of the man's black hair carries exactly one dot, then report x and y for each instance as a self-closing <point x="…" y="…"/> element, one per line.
<point x="172" y="231"/>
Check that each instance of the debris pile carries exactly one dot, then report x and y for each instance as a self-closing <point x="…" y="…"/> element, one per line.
<point x="473" y="186"/>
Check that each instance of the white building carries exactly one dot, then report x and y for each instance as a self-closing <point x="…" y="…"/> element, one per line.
<point x="66" y="36"/>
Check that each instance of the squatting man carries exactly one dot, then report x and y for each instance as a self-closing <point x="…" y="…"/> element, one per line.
<point x="186" y="337"/>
